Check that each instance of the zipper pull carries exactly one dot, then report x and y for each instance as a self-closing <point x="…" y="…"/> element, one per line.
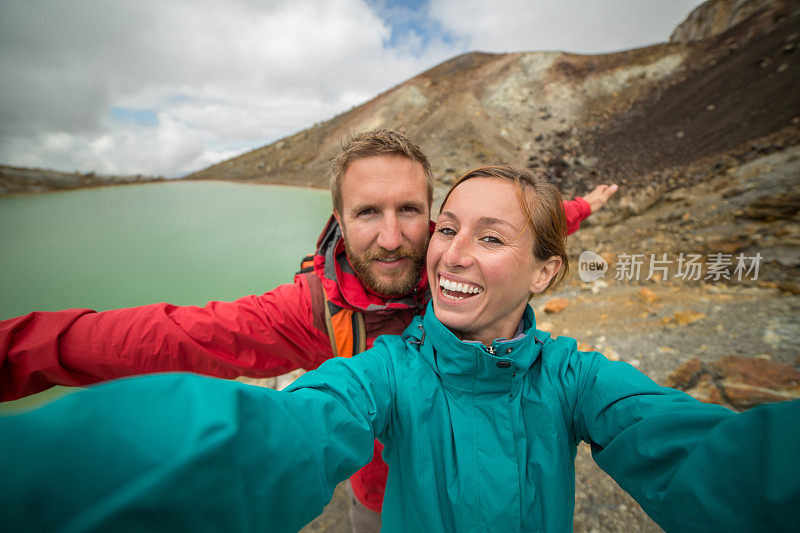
<point x="490" y="349"/>
<point x="422" y="340"/>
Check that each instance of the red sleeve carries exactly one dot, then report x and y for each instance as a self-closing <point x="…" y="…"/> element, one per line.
<point x="259" y="336"/>
<point x="577" y="211"/>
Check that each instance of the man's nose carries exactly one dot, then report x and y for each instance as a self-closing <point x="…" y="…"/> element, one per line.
<point x="390" y="236"/>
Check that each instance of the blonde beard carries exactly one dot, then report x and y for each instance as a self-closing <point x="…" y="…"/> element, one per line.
<point x="400" y="286"/>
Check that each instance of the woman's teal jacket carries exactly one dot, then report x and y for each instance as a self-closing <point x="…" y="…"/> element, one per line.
<point x="475" y="439"/>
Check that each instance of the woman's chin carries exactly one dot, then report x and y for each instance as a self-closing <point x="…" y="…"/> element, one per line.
<point x="456" y="320"/>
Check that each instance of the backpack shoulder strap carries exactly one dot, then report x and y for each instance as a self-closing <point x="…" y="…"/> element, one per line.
<point x="346" y="330"/>
<point x="306" y="264"/>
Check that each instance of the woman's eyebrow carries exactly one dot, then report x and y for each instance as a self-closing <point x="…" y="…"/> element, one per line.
<point x="491" y="221"/>
<point x="483" y="221"/>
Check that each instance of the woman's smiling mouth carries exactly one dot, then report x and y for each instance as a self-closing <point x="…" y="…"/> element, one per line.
<point x="455" y="290"/>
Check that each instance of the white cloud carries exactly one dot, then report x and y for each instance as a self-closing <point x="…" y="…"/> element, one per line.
<point x="571" y="25"/>
<point x="170" y="86"/>
<point x="216" y="74"/>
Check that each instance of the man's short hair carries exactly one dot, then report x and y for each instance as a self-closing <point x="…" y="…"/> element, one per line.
<point x="372" y="143"/>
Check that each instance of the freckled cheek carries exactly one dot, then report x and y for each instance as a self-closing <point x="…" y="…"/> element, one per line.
<point x="503" y="273"/>
<point x="435" y="249"/>
<point x="498" y="280"/>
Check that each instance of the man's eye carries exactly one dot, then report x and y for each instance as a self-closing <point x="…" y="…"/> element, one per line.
<point x="367" y="211"/>
<point x="410" y="209"/>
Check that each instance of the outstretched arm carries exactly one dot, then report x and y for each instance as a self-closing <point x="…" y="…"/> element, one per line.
<point x="600" y="195"/>
<point x="259" y="336"/>
<point x="185" y="452"/>
<point x="691" y="466"/>
<point x="580" y="208"/>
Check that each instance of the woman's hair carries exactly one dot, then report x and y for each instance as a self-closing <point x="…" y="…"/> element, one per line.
<point x="542" y="205"/>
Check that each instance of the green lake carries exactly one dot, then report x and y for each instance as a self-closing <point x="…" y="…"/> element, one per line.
<point x="185" y="243"/>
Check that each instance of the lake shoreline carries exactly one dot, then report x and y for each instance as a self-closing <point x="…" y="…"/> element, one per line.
<point x="38" y="188"/>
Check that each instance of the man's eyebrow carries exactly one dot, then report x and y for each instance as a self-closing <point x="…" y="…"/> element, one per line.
<point x="367" y="205"/>
<point x="360" y="207"/>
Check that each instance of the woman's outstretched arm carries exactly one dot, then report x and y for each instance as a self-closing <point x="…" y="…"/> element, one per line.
<point x="690" y="465"/>
<point x="180" y="451"/>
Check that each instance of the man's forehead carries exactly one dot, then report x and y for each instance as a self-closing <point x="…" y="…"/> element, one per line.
<point x="384" y="178"/>
<point x="385" y="164"/>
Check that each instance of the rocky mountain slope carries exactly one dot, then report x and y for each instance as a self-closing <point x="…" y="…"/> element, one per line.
<point x="717" y="16"/>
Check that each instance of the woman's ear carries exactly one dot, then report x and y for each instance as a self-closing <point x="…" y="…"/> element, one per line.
<point x="543" y="273"/>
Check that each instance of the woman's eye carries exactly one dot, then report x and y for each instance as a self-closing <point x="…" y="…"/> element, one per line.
<point x="491" y="239"/>
<point x="446" y="231"/>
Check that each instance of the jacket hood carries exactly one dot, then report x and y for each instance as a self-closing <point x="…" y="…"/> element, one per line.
<point x="469" y="365"/>
<point x="343" y="287"/>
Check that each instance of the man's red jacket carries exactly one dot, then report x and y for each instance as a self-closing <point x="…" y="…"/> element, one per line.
<point x="258" y="336"/>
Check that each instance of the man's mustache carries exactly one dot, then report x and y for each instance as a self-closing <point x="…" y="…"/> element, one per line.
<point x="383" y="254"/>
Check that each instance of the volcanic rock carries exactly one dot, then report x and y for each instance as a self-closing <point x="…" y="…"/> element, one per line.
<point x="737" y="382"/>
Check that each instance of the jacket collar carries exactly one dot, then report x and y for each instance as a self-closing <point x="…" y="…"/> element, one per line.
<point x="469" y="365"/>
<point x="343" y="287"/>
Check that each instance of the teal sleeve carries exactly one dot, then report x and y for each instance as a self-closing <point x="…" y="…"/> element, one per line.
<point x="648" y="438"/>
<point x="184" y="452"/>
<point x="745" y="472"/>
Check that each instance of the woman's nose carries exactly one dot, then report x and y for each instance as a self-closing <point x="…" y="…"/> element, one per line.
<point x="458" y="253"/>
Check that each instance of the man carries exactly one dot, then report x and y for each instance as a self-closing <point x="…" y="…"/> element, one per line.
<point x="366" y="279"/>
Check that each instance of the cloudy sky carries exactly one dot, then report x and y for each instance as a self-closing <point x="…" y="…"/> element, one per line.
<point x="165" y="87"/>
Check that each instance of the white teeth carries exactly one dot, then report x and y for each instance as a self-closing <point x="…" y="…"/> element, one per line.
<point x="453" y="286"/>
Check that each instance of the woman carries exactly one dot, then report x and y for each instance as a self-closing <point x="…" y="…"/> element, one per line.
<point x="479" y="411"/>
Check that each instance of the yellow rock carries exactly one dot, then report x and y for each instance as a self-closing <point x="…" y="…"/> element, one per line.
<point x="684" y="318"/>
<point x="647" y="295"/>
<point x="556" y="305"/>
